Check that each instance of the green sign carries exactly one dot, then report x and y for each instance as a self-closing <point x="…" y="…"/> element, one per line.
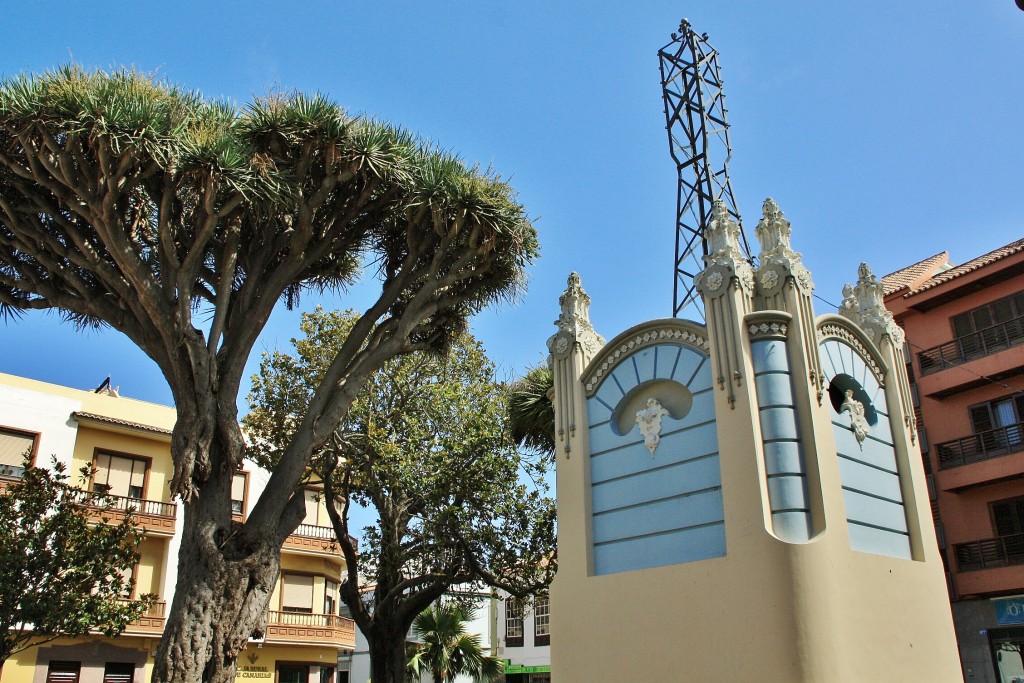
<point x="511" y="668"/>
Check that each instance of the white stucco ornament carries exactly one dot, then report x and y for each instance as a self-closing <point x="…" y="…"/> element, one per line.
<point x="864" y="305"/>
<point x="777" y="259"/>
<point x="649" y="421"/>
<point x="858" y="421"/>
<point x="574" y="322"/>
<point x="725" y="259"/>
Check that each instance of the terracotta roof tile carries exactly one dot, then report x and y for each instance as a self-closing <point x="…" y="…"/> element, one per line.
<point x="970" y="266"/>
<point x="80" y="415"/>
<point x="907" y="277"/>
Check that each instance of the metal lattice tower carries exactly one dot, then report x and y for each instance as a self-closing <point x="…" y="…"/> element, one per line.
<point x="698" y="138"/>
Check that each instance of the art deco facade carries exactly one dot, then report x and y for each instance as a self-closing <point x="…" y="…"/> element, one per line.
<point x="965" y="333"/>
<point x="127" y="444"/>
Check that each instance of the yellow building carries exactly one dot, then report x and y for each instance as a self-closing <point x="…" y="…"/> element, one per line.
<point x="127" y="444"/>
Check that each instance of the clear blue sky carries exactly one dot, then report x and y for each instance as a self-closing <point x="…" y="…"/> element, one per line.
<point x="887" y="131"/>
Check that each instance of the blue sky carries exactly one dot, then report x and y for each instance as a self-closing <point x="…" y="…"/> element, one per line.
<point x="887" y="131"/>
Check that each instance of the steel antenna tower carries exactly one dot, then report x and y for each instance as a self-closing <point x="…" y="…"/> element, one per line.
<point x="698" y="138"/>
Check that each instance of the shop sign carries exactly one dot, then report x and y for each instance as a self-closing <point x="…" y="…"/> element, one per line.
<point x="1010" y="611"/>
<point x="520" y="669"/>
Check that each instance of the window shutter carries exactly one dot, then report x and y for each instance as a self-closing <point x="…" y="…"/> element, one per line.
<point x="118" y="672"/>
<point x="981" y="418"/>
<point x="63" y="672"/>
<point x="238" y="493"/>
<point x="297" y="592"/>
<point x="13" y="446"/>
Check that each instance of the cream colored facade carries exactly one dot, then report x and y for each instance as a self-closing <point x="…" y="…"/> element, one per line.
<point x="129" y="442"/>
<point x="756" y="521"/>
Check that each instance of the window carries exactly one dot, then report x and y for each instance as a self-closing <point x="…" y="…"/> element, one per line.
<point x="297" y="593"/>
<point x="975" y="328"/>
<point x="120" y="475"/>
<point x="14" y="446"/>
<point x="238" y="487"/>
<point x="513" y="623"/>
<point x="63" y="672"/>
<point x="330" y="596"/>
<point x="326" y="674"/>
<point x="316" y="509"/>
<point x="999" y="422"/>
<point x="541" y="621"/>
<point x="118" y="672"/>
<point x="1008" y="516"/>
<point x="292" y="673"/>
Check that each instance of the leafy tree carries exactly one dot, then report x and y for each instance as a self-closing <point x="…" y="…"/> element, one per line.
<point x="447" y="651"/>
<point x="531" y="414"/>
<point x="425" y="447"/>
<point x="61" y="575"/>
<point x="181" y="222"/>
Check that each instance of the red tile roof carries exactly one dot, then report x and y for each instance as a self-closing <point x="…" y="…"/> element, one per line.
<point x="911" y="275"/>
<point x="971" y="266"/>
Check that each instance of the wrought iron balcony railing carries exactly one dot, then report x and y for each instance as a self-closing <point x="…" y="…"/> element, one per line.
<point x="1001" y="551"/>
<point x="977" y="345"/>
<point x="981" y="446"/>
<point x="126" y="503"/>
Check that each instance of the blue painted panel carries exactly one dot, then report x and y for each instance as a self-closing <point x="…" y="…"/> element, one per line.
<point x="788" y="492"/>
<point x="625" y="374"/>
<point x="871" y="452"/>
<point x="635" y="458"/>
<point x="874" y="511"/>
<point x="598" y="412"/>
<point x="683" y="369"/>
<point x="608" y="393"/>
<point x="792" y="527"/>
<point x="856" y="475"/>
<point x="700" y="380"/>
<point x="658" y="516"/>
<point x="878" y="542"/>
<point x="782" y="456"/>
<point x="663" y="482"/>
<point x="688" y="545"/>
<point x="769" y="355"/>
<point x="644" y="363"/>
<point x="778" y="423"/>
<point x="603" y="439"/>
<point x="774" y="389"/>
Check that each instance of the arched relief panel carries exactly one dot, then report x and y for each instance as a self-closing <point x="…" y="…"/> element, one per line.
<point x="655" y="481"/>
<point x="853" y="375"/>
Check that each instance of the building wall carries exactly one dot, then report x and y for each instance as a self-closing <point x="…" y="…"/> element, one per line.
<point x="963" y="493"/>
<point x="140" y="429"/>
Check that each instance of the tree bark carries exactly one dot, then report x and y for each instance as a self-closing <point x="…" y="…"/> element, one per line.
<point x="388" y="658"/>
<point x="226" y="574"/>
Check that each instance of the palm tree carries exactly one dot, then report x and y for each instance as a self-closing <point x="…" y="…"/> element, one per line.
<point x="447" y="650"/>
<point x="531" y="414"/>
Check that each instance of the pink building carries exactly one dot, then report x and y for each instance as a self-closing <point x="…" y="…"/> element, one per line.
<point x="965" y="331"/>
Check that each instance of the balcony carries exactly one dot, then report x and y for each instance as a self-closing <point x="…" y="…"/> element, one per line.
<point x="1002" y="551"/>
<point x="300" y="628"/>
<point x="154" y="516"/>
<point x="985" y="445"/>
<point x="149" y="624"/>
<point x="977" y="345"/>
<point x="308" y="538"/>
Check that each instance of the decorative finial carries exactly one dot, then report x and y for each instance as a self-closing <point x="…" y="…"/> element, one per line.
<point x="865" y="305"/>
<point x="574" y="322"/>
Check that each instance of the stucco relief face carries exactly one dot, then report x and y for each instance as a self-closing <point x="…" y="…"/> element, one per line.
<point x="649" y="421"/>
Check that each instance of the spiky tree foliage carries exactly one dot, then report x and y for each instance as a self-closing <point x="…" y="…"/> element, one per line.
<point x="425" y="447"/>
<point x="530" y="412"/>
<point x="182" y="222"/>
<point x="61" y="573"/>
<point x="447" y="651"/>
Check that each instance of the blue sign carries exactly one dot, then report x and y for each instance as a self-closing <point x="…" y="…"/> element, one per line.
<point x="1010" y="611"/>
